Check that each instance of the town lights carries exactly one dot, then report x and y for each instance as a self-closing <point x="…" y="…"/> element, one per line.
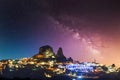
<point x="79" y="76"/>
<point x="79" y="68"/>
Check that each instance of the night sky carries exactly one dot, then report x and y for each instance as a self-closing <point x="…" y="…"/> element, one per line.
<point x="85" y="29"/>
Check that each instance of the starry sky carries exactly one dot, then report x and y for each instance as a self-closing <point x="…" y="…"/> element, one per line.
<point x="87" y="30"/>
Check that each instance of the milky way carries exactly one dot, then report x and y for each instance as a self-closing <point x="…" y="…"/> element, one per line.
<point x="89" y="29"/>
<point x="94" y="23"/>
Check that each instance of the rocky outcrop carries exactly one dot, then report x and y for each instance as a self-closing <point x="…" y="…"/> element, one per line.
<point x="45" y="52"/>
<point x="60" y="56"/>
<point x="70" y="59"/>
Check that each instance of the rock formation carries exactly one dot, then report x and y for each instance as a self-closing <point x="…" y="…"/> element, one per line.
<point x="60" y="56"/>
<point x="70" y="59"/>
<point x="45" y="52"/>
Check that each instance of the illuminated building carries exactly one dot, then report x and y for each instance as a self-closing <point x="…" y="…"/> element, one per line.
<point x="80" y="68"/>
